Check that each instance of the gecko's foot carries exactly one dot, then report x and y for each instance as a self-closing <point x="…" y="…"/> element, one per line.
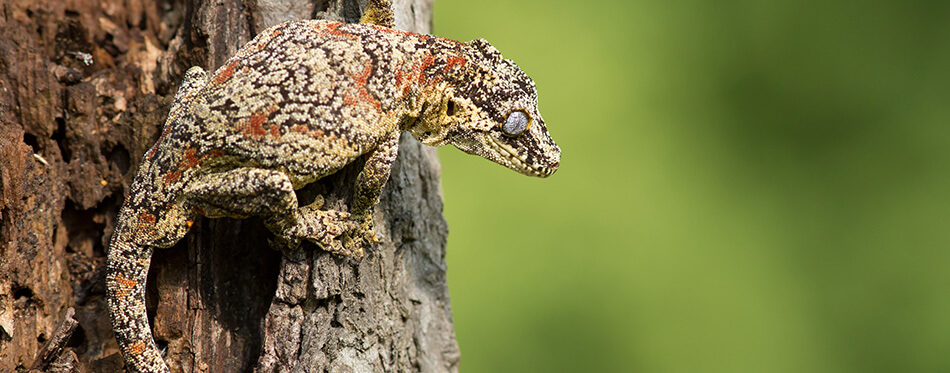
<point x="361" y="237"/>
<point x="322" y="227"/>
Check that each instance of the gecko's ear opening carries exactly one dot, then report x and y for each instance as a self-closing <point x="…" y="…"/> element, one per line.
<point x="450" y="108"/>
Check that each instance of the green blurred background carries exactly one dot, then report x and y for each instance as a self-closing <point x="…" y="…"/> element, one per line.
<point x="745" y="186"/>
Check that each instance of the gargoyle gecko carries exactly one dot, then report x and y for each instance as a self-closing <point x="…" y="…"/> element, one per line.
<point x="297" y="103"/>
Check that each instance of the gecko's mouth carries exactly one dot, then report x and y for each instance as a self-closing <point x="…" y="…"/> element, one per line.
<point x="510" y="157"/>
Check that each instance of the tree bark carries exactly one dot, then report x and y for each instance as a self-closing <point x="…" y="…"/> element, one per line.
<point x="84" y="90"/>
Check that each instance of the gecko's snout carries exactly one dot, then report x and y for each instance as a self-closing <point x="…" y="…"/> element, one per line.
<point x="554" y="166"/>
<point x="550" y="166"/>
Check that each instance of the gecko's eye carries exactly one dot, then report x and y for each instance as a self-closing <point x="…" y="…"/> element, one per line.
<point x="517" y="122"/>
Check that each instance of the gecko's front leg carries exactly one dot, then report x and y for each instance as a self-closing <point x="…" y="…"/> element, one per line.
<point x="247" y="191"/>
<point x="369" y="185"/>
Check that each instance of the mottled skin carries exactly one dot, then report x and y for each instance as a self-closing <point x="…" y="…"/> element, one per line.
<point x="299" y="102"/>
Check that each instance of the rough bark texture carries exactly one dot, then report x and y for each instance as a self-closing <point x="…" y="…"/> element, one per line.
<point x="84" y="89"/>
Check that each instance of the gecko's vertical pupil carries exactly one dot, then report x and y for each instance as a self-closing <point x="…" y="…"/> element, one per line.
<point x="516" y="123"/>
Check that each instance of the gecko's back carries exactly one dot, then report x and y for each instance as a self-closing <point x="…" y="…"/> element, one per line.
<point x="301" y="96"/>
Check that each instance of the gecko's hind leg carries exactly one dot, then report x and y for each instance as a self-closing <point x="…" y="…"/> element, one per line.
<point x="247" y="191"/>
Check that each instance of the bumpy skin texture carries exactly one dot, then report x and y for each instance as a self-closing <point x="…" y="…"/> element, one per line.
<point x="297" y="103"/>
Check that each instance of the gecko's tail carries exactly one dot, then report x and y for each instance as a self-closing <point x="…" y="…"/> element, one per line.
<point x="127" y="269"/>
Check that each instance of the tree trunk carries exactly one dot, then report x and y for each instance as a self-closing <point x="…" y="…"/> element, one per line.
<point x="84" y="90"/>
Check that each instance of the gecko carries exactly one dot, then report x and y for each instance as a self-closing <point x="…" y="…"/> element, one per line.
<point x="297" y="103"/>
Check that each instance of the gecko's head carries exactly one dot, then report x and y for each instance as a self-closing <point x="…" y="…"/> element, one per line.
<point x="493" y="112"/>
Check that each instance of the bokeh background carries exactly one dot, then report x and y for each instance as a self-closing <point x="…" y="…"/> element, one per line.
<point x="745" y="186"/>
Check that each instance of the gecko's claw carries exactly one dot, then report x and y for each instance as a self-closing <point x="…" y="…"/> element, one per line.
<point x="360" y="237"/>
<point x="338" y="248"/>
<point x="327" y="224"/>
<point x="322" y="227"/>
<point x="365" y="231"/>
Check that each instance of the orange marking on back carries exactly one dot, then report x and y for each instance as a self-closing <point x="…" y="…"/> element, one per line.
<point x="125" y="286"/>
<point x="399" y="32"/>
<point x="333" y="29"/>
<point x="264" y="42"/>
<point x="147" y="218"/>
<point x="362" y="95"/>
<point x="172" y="177"/>
<point x="146" y="223"/>
<point x="137" y="348"/>
<point x="453" y="61"/>
<point x="190" y="159"/>
<point x="226" y="73"/>
<point x="420" y="70"/>
<point x="365" y="96"/>
<point x="254" y="126"/>
<point x="416" y="74"/>
<point x="426" y="62"/>
<point x="300" y="129"/>
<point x="362" y="77"/>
